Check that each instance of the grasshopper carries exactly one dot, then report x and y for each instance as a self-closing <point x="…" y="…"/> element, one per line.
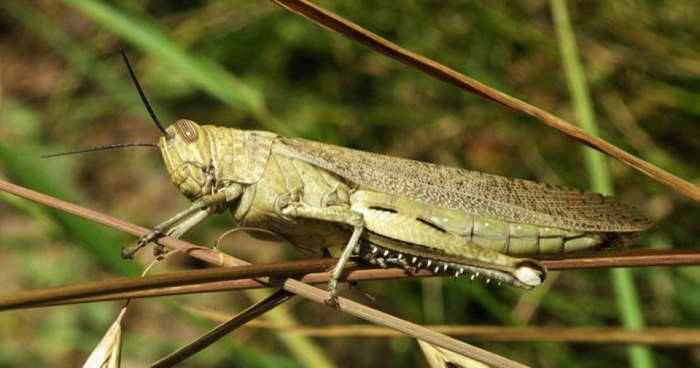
<point x="390" y="211"/>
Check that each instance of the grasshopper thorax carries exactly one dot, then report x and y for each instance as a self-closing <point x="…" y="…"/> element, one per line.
<point x="187" y="156"/>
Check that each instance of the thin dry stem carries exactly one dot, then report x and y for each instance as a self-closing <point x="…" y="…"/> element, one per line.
<point x="440" y="72"/>
<point x="243" y="278"/>
<point x="676" y="337"/>
<point x="223" y="329"/>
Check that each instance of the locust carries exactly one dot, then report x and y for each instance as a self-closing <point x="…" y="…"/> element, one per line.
<point x="392" y="212"/>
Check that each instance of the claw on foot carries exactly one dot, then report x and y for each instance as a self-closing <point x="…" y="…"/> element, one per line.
<point x="128" y="253"/>
<point x="332" y="301"/>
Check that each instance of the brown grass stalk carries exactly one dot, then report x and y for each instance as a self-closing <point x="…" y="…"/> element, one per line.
<point x="357" y="34"/>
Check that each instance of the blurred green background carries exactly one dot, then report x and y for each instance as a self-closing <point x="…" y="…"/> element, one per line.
<point x="250" y="64"/>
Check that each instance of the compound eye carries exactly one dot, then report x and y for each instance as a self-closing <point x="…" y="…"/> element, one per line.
<point x="187" y="130"/>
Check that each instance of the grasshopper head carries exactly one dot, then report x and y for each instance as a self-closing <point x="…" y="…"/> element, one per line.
<point x="185" y="149"/>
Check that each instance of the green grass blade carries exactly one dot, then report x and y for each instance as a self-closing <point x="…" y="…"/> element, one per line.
<point x="629" y="308"/>
<point x="206" y="74"/>
<point x="83" y="59"/>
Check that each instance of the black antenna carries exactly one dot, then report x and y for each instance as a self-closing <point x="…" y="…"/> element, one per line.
<point x="121" y="145"/>
<point x="143" y="95"/>
<point x="101" y="148"/>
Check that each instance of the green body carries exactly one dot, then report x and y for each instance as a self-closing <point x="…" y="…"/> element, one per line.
<point x="317" y="195"/>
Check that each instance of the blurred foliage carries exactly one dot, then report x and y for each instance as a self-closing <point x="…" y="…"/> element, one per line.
<point x="249" y="64"/>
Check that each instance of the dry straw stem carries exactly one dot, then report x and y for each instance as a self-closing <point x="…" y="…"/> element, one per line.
<point x="223" y="329"/>
<point x="438" y="71"/>
<point x="586" y="335"/>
